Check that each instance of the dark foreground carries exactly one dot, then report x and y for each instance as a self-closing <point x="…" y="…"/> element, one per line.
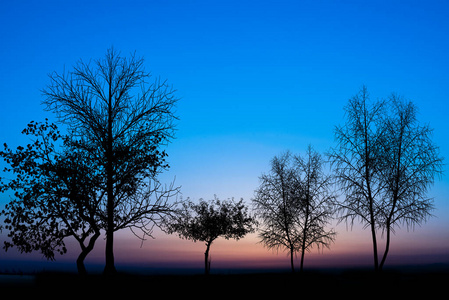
<point x="348" y="283"/>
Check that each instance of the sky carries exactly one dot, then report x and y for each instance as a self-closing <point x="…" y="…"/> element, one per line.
<point x="254" y="78"/>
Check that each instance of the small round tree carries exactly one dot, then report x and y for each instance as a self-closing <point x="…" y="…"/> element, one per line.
<point x="208" y="220"/>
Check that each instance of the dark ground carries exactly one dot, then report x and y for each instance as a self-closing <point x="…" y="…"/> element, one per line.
<point x="350" y="283"/>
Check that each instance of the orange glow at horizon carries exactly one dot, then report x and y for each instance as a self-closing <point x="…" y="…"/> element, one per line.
<point x="425" y="245"/>
<point x="352" y="248"/>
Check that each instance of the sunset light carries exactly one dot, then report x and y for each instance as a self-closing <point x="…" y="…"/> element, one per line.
<point x="158" y="103"/>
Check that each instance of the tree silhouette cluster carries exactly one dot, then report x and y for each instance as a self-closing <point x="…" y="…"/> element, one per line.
<point x="102" y="175"/>
<point x="121" y="121"/>
<point x="117" y="123"/>
<point x="384" y="164"/>
<point x="295" y="204"/>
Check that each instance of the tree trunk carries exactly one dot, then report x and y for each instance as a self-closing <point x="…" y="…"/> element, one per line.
<point x="80" y="264"/>
<point x="373" y="235"/>
<point x="387" y="248"/>
<point x="395" y="201"/>
<point x="291" y="259"/>
<point x="306" y="221"/>
<point x="85" y="251"/>
<point x="372" y="224"/>
<point x="302" y="259"/>
<point x="388" y="225"/>
<point x="109" y="253"/>
<point x="206" y="260"/>
<point x="110" y="267"/>
<point x="368" y="166"/>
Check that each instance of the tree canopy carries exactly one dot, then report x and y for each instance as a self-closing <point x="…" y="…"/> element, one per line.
<point x="208" y="220"/>
<point x="294" y="203"/>
<point x="121" y="119"/>
<point x="384" y="163"/>
<point x="55" y="194"/>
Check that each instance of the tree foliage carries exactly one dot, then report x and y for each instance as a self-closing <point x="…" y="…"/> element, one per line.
<point x="208" y="220"/>
<point x="122" y="120"/>
<point x="55" y="195"/>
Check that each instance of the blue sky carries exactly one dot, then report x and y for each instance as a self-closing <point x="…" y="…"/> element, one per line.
<point x="254" y="78"/>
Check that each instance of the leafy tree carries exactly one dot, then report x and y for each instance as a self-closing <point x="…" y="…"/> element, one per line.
<point x="122" y="120"/>
<point x="209" y="220"/>
<point x="55" y="195"/>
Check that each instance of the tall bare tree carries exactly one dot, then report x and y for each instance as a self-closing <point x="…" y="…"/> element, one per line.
<point x="384" y="162"/>
<point x="122" y="119"/>
<point x="317" y="202"/>
<point x="277" y="205"/>
<point x="295" y="204"/>
<point x="356" y="162"/>
<point x="411" y="161"/>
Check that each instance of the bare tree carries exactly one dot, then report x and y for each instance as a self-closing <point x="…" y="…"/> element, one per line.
<point x="122" y="120"/>
<point x="317" y="202"/>
<point x="208" y="220"/>
<point x="55" y="195"/>
<point x="295" y="204"/>
<point x="356" y="162"/>
<point x="384" y="163"/>
<point x="411" y="161"/>
<point x="277" y="205"/>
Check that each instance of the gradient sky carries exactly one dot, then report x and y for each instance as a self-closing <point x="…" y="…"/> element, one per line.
<point x="255" y="78"/>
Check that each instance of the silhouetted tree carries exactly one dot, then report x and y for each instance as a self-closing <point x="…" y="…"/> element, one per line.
<point x="55" y="195"/>
<point x="411" y="161"/>
<point x="294" y="204"/>
<point x="316" y="200"/>
<point x="356" y="162"/>
<point x="384" y="163"/>
<point x="122" y="120"/>
<point x="209" y="220"/>
<point x="277" y="204"/>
